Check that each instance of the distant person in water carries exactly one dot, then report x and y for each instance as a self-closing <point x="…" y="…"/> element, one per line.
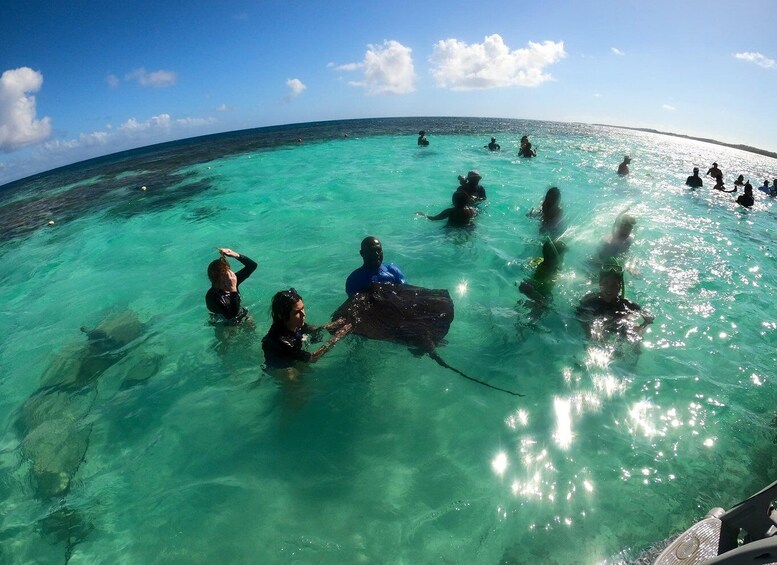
<point x="526" y="149"/>
<point x="608" y="312"/>
<point x="623" y="168"/>
<point x="461" y="215"/>
<point x="493" y="145"/>
<point x="619" y="241"/>
<point x="223" y="297"/>
<point x="746" y="199"/>
<point x="773" y="191"/>
<point x="694" y="181"/>
<point x="539" y="288"/>
<point x="470" y="185"/>
<point x="373" y="270"/>
<point x="722" y="187"/>
<point x="282" y="345"/>
<point x="765" y="187"/>
<point x="714" y="171"/>
<point x="422" y="138"/>
<point x="740" y="181"/>
<point x="550" y="213"/>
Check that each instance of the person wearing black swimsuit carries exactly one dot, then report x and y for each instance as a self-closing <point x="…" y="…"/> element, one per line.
<point x="223" y="297"/>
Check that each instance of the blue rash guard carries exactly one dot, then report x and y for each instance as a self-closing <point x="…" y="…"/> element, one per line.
<point x="362" y="278"/>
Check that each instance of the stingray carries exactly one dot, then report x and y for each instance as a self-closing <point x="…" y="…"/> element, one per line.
<point x="54" y="425"/>
<point x="413" y="316"/>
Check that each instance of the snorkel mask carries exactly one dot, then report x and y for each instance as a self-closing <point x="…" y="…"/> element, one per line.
<point x="613" y="268"/>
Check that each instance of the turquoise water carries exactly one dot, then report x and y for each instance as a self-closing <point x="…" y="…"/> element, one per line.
<point x="193" y="454"/>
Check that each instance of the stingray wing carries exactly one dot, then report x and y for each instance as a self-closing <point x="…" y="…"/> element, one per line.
<point x="410" y="315"/>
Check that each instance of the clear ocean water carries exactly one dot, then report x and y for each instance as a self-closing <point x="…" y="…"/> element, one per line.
<point x="180" y="449"/>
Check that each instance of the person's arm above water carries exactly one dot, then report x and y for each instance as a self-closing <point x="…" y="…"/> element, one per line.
<point x="441" y="216"/>
<point x="249" y="266"/>
<point x="339" y="334"/>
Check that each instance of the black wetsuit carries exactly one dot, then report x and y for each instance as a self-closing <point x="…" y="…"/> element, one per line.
<point x="283" y="347"/>
<point x="476" y="193"/>
<point x="225" y="304"/>
<point x="694" y="181"/>
<point x="493" y="146"/>
<point x="746" y="200"/>
<point x="615" y="314"/>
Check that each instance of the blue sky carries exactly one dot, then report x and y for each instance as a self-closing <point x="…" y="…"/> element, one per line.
<point x="83" y="78"/>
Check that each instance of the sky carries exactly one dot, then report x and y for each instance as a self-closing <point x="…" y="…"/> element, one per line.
<point x="83" y="78"/>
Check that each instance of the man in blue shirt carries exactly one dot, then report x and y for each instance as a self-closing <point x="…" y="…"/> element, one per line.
<point x="373" y="270"/>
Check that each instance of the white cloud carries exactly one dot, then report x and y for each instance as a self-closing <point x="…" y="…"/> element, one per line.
<point x="225" y="108"/>
<point x="617" y="51"/>
<point x="18" y="126"/>
<point x="758" y="59"/>
<point x="492" y="64"/>
<point x="296" y="87"/>
<point x="112" y="80"/>
<point x="388" y="68"/>
<point x="597" y="95"/>
<point x="668" y="107"/>
<point x="157" y="79"/>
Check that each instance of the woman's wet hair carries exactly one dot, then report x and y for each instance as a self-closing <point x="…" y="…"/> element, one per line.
<point x="217" y="269"/>
<point x="552" y="199"/>
<point x="282" y="304"/>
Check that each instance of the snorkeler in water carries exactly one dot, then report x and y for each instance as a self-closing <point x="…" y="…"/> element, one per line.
<point x="539" y="288"/>
<point x="470" y="185"/>
<point x="722" y="187"/>
<point x="526" y="149"/>
<point x="619" y="241"/>
<point x="746" y="199"/>
<point x="282" y="345"/>
<point x="493" y="145"/>
<point x="694" y="181"/>
<point x="714" y="171"/>
<point x="460" y="216"/>
<point x="740" y="181"/>
<point x="623" y="168"/>
<point x="223" y="297"/>
<point x="550" y="213"/>
<point x="609" y="312"/>
<point x="422" y="141"/>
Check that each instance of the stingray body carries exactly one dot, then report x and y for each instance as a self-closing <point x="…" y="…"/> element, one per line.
<point x="54" y="424"/>
<point x="413" y="316"/>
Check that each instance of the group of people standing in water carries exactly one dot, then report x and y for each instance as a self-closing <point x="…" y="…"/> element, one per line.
<point x="745" y="199"/>
<point x="604" y="312"/>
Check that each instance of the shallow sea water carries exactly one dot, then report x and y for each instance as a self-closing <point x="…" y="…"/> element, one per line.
<point x="377" y="456"/>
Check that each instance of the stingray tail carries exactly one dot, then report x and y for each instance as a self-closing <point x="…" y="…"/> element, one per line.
<point x="434" y="355"/>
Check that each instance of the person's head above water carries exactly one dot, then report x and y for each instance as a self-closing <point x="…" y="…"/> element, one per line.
<point x="626" y="159"/>
<point x="221" y="275"/>
<point x="696" y="170"/>
<point x="611" y="283"/>
<point x="552" y="198"/>
<point x="748" y="188"/>
<point x="460" y="199"/>
<point x="624" y="225"/>
<point x="372" y="252"/>
<point x="473" y="177"/>
<point x="422" y="133"/>
<point x="287" y="309"/>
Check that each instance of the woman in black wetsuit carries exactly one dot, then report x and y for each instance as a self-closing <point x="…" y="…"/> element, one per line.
<point x="282" y="345"/>
<point x="223" y="297"/>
